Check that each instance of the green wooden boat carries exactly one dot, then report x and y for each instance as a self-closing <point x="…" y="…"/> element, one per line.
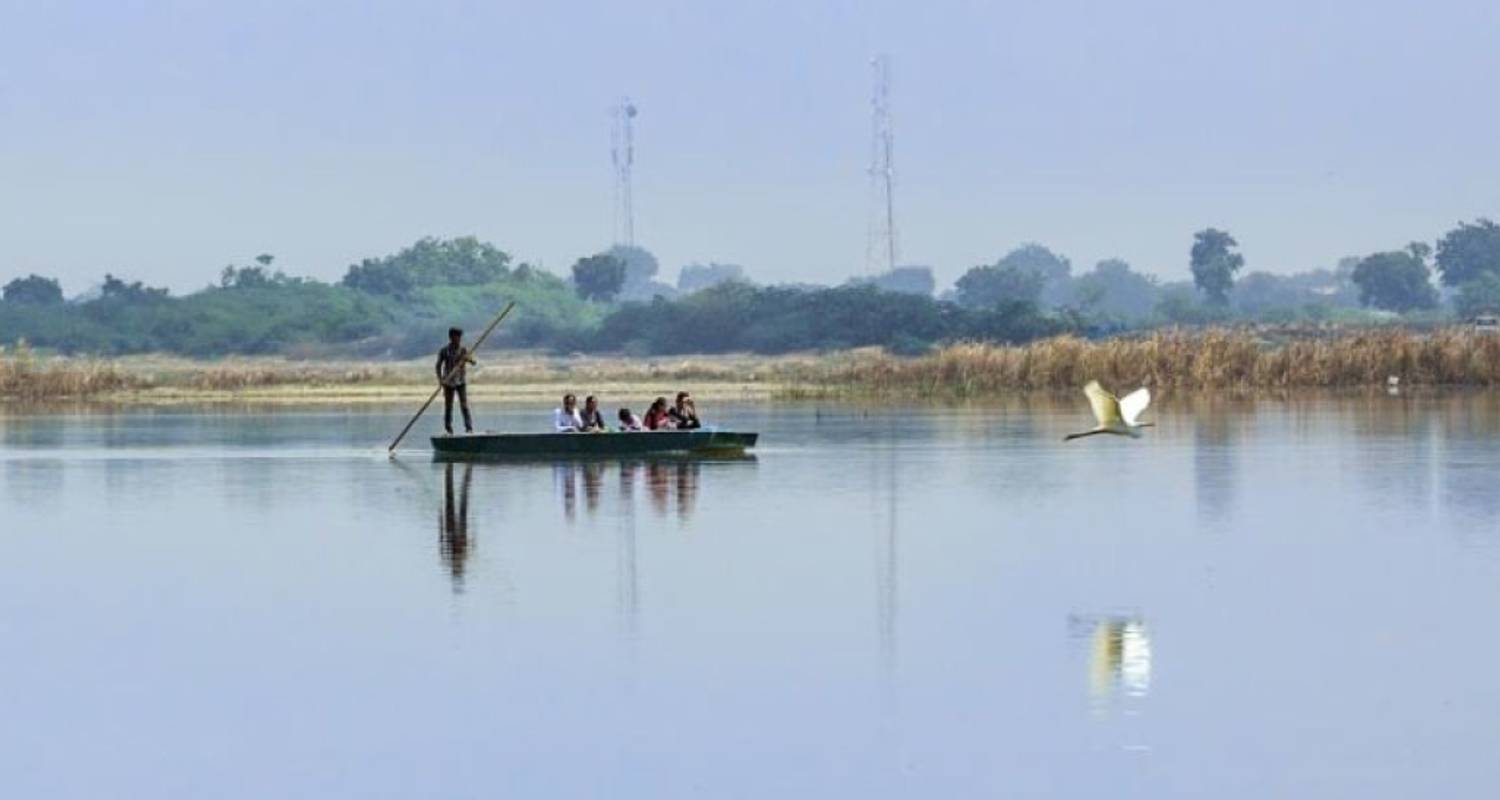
<point x="592" y="445"/>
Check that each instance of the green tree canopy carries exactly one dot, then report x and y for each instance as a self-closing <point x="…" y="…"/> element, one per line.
<point x="1117" y="291"/>
<point x="1395" y="281"/>
<point x="1214" y="263"/>
<point x="116" y="289"/>
<point x="1036" y="258"/>
<point x="464" y="261"/>
<point x="598" y="277"/>
<point x="257" y="277"/>
<point x="1468" y="251"/>
<point x="1055" y="271"/>
<point x="907" y="280"/>
<point x="1259" y="292"/>
<point x="640" y="265"/>
<point x="986" y="287"/>
<point x="1479" y="296"/>
<point x="695" y="277"/>
<point x="33" y="290"/>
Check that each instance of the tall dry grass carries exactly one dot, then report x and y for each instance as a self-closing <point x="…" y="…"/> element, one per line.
<point x="1215" y="359"/>
<point x="235" y="377"/>
<point x="25" y="377"/>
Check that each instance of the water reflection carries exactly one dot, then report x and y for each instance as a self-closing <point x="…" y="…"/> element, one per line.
<point x="454" y="542"/>
<point x="1119" y="657"/>
<point x="627" y="577"/>
<point x="671" y="486"/>
<point x="576" y="480"/>
<point x="887" y="570"/>
<point x="1396" y="462"/>
<point x="767" y="609"/>
<point x="1215" y="456"/>
<point x="30" y="484"/>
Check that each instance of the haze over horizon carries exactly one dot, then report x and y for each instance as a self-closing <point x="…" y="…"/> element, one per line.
<point x="166" y="140"/>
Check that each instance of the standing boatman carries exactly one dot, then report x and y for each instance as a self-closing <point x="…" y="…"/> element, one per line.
<point x="452" y="362"/>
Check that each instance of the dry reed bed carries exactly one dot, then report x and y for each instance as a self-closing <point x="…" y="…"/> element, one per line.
<point x="23" y="377"/>
<point x="1215" y="359"/>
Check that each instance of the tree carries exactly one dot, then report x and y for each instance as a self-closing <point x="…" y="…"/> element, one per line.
<point x="986" y="287"/>
<point x="598" y="277"/>
<point x="640" y="274"/>
<point x="1468" y="251"/>
<point x="382" y="276"/>
<point x="1214" y="263"/>
<point x="464" y="261"/>
<point x="907" y="280"/>
<point x="116" y="289"/>
<point x="1115" y="290"/>
<point x="1179" y="304"/>
<point x="33" y="290"/>
<point x="695" y="277"/>
<point x="233" y="277"/>
<point x="1395" y="281"/>
<point x="1260" y="292"/>
<point x="640" y="265"/>
<point x="1479" y="296"/>
<point x="1055" y="271"/>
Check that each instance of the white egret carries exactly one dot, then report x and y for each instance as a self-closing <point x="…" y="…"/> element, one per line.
<point x="1116" y="415"/>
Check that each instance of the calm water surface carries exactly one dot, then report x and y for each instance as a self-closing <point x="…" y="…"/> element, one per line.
<point x="1288" y="598"/>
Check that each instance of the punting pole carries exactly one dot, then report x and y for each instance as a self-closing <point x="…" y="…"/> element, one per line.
<point x="472" y="350"/>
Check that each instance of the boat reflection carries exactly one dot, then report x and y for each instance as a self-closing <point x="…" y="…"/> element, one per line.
<point x="671" y="485"/>
<point x="573" y="480"/>
<point x="454" y="543"/>
<point x="589" y="488"/>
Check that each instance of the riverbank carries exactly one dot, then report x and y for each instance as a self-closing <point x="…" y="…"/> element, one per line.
<point x="1228" y="360"/>
<point x="1214" y="359"/>
<point x="501" y="375"/>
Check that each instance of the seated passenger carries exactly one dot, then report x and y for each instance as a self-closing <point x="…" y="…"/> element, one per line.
<point x="593" y="421"/>
<point x="684" y="414"/>
<point x="629" y="421"/>
<point x="567" y="418"/>
<point x="656" y="416"/>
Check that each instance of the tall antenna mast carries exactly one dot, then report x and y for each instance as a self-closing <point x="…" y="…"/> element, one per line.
<point x="880" y="249"/>
<point x="622" y="155"/>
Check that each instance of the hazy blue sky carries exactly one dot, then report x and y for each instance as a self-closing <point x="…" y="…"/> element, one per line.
<point x="164" y="140"/>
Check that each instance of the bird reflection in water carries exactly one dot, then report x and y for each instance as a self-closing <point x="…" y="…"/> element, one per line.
<point x="1119" y="657"/>
<point x="454" y="544"/>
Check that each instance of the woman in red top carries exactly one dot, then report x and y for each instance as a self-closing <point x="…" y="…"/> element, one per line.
<point x="656" y="416"/>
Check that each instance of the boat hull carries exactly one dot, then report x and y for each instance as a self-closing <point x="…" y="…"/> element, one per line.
<point x="591" y="445"/>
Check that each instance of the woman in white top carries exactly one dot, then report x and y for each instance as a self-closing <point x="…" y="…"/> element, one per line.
<point x="567" y="418"/>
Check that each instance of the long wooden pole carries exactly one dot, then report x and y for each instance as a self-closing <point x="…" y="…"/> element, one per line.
<point x="444" y="381"/>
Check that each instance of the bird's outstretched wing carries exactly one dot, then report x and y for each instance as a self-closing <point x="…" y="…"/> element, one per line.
<point x="1131" y="405"/>
<point x="1106" y="407"/>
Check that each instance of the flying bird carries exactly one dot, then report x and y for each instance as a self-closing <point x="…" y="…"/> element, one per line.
<point x="1116" y="415"/>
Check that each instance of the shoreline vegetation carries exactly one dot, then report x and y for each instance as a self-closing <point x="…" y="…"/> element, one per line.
<point x="397" y="306"/>
<point x="1212" y="359"/>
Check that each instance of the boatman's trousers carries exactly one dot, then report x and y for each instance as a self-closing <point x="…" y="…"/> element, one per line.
<point x="463" y="403"/>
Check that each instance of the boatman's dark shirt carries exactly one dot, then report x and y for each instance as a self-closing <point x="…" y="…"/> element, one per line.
<point x="452" y="357"/>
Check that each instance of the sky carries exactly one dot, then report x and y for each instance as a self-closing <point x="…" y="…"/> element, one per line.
<point x="161" y="141"/>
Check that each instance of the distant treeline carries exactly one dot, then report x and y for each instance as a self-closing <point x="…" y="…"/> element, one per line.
<point x="400" y="305"/>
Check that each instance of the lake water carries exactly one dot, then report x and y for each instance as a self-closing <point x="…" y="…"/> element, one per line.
<point x="1270" y="598"/>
